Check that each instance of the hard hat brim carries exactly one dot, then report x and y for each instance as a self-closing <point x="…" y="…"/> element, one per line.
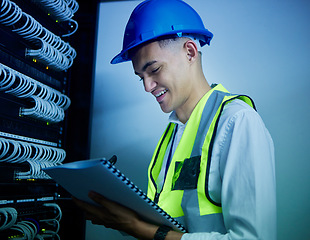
<point x="205" y="38"/>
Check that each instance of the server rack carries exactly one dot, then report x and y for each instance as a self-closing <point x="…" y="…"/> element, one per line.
<point x="46" y="72"/>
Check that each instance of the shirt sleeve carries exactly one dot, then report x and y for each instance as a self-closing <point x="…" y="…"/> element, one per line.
<point x="246" y="165"/>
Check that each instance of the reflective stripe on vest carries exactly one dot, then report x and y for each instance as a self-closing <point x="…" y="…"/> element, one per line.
<point x="185" y="192"/>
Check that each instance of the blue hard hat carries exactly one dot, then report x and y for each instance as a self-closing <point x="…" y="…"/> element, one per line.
<point x="153" y="19"/>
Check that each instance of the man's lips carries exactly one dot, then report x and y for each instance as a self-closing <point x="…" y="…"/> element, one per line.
<point x="160" y="95"/>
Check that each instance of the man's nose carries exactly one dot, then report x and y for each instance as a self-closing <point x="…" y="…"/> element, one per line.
<point x="149" y="84"/>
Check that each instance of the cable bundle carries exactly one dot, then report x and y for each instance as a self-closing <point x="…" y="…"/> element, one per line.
<point x="44" y="110"/>
<point x="51" y="222"/>
<point x="50" y="104"/>
<point x="30" y="228"/>
<point x="27" y="228"/>
<point x="61" y="10"/>
<point x="50" y="56"/>
<point x="8" y="217"/>
<point x="10" y="13"/>
<point x="22" y="86"/>
<point x="31" y="30"/>
<point x="37" y="156"/>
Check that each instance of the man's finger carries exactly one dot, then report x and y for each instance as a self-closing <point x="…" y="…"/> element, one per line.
<point x="89" y="208"/>
<point x="98" y="198"/>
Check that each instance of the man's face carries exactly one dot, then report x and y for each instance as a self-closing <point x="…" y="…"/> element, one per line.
<point x="165" y="74"/>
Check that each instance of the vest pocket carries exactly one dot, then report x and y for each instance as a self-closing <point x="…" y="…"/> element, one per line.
<point x="186" y="174"/>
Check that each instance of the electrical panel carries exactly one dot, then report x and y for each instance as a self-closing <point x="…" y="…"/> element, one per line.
<point x="36" y="59"/>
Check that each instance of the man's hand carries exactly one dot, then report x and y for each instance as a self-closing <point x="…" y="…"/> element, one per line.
<point x="109" y="214"/>
<point x="116" y="216"/>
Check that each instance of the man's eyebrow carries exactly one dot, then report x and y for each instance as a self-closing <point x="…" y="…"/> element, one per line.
<point x="146" y="66"/>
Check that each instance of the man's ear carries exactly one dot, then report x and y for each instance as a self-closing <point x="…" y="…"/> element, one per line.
<point x="191" y="50"/>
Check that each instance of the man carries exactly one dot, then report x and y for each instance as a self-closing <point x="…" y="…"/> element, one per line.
<point x="213" y="168"/>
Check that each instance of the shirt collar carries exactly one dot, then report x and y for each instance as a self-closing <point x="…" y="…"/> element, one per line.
<point x="173" y="118"/>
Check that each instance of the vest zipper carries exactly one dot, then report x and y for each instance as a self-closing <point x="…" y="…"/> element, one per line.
<point x="156" y="199"/>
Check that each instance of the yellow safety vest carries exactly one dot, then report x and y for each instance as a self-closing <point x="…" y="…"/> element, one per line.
<point x="185" y="194"/>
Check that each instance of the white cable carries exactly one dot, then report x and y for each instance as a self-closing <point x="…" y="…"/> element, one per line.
<point x="4" y="147"/>
<point x="51" y="56"/>
<point x="28" y="229"/>
<point x="37" y="156"/>
<point x="40" y="237"/>
<point x="10" y="13"/>
<point x="54" y="104"/>
<point x="62" y="10"/>
<point x="22" y="87"/>
<point x="13" y="216"/>
<point x="52" y="222"/>
<point x="5" y="217"/>
<point x="13" y="154"/>
<point x="75" y="27"/>
<point x="56" y="207"/>
<point x="7" y="79"/>
<point x="10" y="216"/>
<point x="32" y="228"/>
<point x="31" y="30"/>
<point x="44" y="110"/>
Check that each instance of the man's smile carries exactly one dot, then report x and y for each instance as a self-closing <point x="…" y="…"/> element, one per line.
<point x="160" y="95"/>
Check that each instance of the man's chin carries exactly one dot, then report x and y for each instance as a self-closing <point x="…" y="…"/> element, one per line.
<point x="165" y="109"/>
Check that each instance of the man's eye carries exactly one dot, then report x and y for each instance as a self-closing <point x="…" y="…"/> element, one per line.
<point x="155" y="70"/>
<point x="141" y="79"/>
